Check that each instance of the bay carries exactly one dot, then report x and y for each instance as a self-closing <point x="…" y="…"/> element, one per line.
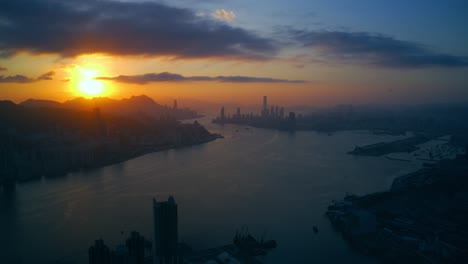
<point x="279" y="184"/>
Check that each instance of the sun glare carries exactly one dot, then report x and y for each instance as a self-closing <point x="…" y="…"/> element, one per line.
<point x="88" y="86"/>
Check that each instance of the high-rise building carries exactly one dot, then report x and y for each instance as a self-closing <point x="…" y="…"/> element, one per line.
<point x="99" y="253"/>
<point x="165" y="232"/>
<point x="292" y="116"/>
<point x="292" y="120"/>
<point x="175" y="104"/>
<point x="136" y="248"/>
<point x="238" y="112"/>
<point x="265" y="103"/>
<point x="222" y="115"/>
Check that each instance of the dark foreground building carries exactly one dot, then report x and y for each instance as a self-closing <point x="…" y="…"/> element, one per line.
<point x="245" y="249"/>
<point x="99" y="253"/>
<point x="165" y="231"/>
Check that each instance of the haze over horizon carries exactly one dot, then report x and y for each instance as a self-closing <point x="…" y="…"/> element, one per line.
<point x="300" y="53"/>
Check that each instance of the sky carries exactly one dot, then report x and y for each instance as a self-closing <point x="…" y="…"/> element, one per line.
<point x="296" y="52"/>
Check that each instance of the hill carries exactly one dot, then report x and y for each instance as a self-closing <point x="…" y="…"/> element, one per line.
<point x="133" y="106"/>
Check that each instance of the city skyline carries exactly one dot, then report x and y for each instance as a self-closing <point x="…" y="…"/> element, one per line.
<point x="319" y="53"/>
<point x="296" y="131"/>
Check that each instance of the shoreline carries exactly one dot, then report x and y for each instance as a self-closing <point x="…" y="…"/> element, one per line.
<point x="418" y="220"/>
<point x="407" y="145"/>
<point x="6" y="184"/>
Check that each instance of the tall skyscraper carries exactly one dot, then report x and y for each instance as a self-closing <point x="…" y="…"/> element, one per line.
<point x="292" y="121"/>
<point x="175" y="104"/>
<point x="265" y="103"/>
<point x="221" y="115"/>
<point x="165" y="232"/>
<point x="99" y="253"/>
<point x="136" y="248"/>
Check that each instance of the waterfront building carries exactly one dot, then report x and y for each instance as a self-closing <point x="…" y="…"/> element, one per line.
<point x="165" y="232"/>
<point x="222" y="113"/>
<point x="292" y="116"/>
<point x="292" y="120"/>
<point x="273" y="116"/>
<point x="136" y="248"/>
<point x="99" y="253"/>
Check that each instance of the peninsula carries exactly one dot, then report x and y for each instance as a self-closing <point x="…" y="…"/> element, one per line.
<point x="43" y="138"/>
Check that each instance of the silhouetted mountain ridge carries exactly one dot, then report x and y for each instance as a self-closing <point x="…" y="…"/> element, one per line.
<point x="41" y="103"/>
<point x="135" y="105"/>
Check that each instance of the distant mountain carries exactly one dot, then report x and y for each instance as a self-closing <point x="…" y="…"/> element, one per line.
<point x="135" y="105"/>
<point x="128" y="106"/>
<point x="6" y="103"/>
<point x="41" y="103"/>
<point x="27" y="119"/>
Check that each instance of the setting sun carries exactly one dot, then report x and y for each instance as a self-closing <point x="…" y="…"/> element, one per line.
<point x="87" y="85"/>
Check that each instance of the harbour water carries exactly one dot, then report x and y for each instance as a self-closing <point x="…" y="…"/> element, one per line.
<point x="279" y="184"/>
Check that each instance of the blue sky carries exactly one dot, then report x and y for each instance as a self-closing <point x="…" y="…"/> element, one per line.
<point x="441" y="24"/>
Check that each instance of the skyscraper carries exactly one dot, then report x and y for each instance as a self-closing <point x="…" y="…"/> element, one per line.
<point x="175" y="104"/>
<point x="99" y="253"/>
<point x="165" y="231"/>
<point x="136" y="248"/>
<point x="222" y="116"/>
<point x="265" y="103"/>
<point x="292" y="121"/>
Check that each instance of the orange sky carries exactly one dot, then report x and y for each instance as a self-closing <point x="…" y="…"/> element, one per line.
<point x="323" y="86"/>
<point x="234" y="51"/>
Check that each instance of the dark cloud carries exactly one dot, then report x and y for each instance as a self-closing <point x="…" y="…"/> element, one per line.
<point x="25" y="79"/>
<point x="16" y="79"/>
<point x="3" y="68"/>
<point x="246" y="79"/>
<point x="374" y="49"/>
<point x="46" y="76"/>
<point x="71" y="28"/>
<point x="172" y="77"/>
